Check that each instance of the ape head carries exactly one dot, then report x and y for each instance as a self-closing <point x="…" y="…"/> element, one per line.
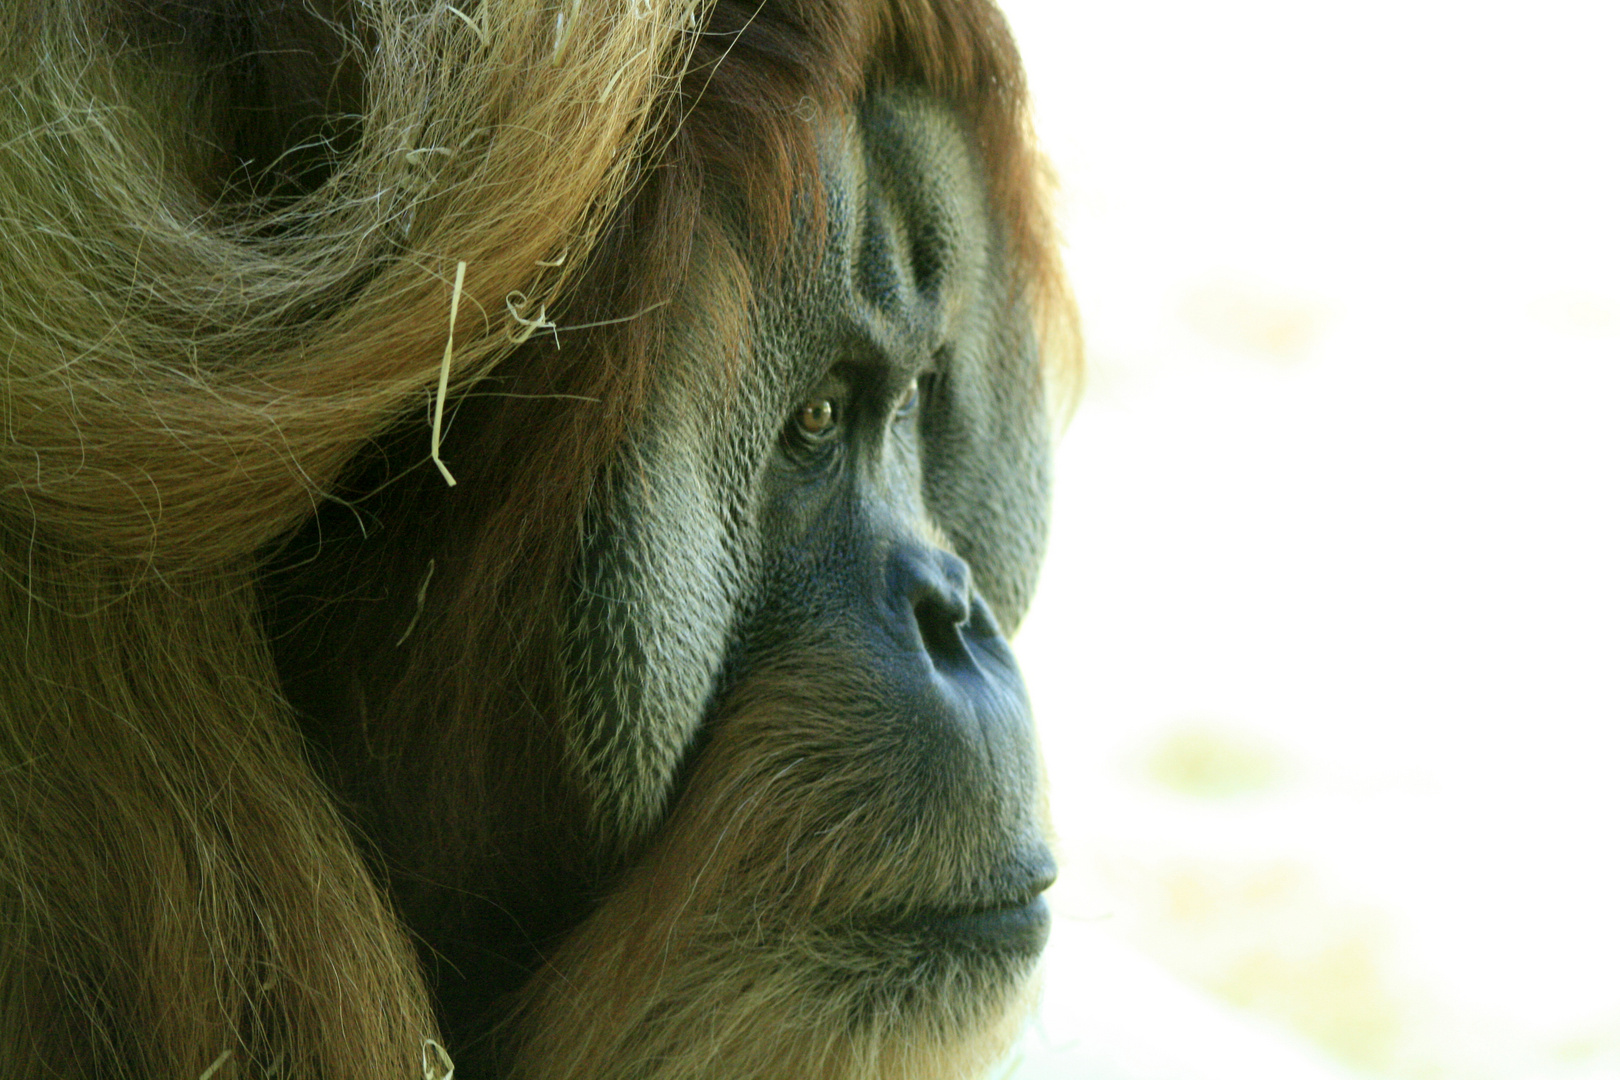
<point x="682" y="732"/>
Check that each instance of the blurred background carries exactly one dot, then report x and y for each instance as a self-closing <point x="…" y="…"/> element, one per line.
<point x="1327" y="653"/>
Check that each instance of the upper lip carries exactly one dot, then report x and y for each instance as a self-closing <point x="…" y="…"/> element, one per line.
<point x="1017" y="884"/>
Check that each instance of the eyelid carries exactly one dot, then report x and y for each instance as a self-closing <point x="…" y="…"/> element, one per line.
<point x="911" y="397"/>
<point x="805" y="408"/>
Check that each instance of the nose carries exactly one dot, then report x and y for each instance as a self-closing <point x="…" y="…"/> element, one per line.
<point x="933" y="591"/>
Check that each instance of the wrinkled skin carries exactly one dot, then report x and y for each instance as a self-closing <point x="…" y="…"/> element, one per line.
<point x="849" y="514"/>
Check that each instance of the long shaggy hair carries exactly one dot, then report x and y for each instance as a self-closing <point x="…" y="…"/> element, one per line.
<point x="231" y="244"/>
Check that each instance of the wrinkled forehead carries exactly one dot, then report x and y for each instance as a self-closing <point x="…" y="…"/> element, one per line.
<point x="905" y="243"/>
<point x="897" y="255"/>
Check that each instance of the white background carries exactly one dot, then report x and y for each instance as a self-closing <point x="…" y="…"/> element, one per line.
<point x="1342" y="492"/>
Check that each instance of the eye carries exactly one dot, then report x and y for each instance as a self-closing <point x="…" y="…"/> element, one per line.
<point x="908" y="401"/>
<point x="815" y="419"/>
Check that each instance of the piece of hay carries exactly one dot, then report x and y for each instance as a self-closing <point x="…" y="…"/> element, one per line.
<point x="444" y="373"/>
<point x="219" y="1063"/>
<point x="443" y="1061"/>
<point x="515" y="303"/>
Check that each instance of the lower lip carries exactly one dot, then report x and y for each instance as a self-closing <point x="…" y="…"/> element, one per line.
<point x="1011" y="931"/>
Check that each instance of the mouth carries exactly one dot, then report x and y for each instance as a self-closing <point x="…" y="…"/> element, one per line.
<point x="1013" y="921"/>
<point x="1016" y="930"/>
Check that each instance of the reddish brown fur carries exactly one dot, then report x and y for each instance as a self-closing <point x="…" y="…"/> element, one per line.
<point x="738" y="128"/>
<point x="188" y="371"/>
<point x="730" y="949"/>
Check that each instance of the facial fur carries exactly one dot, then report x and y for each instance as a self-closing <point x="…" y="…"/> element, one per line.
<point x="680" y="737"/>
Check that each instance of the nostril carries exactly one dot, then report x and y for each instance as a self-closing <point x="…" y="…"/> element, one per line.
<point x="940" y="624"/>
<point x="938" y="586"/>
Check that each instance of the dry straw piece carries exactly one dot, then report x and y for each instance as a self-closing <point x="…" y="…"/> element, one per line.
<point x="444" y="373"/>
<point x="190" y="359"/>
<point x="186" y="377"/>
<point x="441" y="1061"/>
<point x="218" y="1064"/>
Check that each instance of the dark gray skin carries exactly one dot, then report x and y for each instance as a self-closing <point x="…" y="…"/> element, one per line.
<point x="908" y="530"/>
<point x="859" y="501"/>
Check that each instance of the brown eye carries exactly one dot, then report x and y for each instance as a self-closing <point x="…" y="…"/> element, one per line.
<point x="908" y="403"/>
<point x="816" y="418"/>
